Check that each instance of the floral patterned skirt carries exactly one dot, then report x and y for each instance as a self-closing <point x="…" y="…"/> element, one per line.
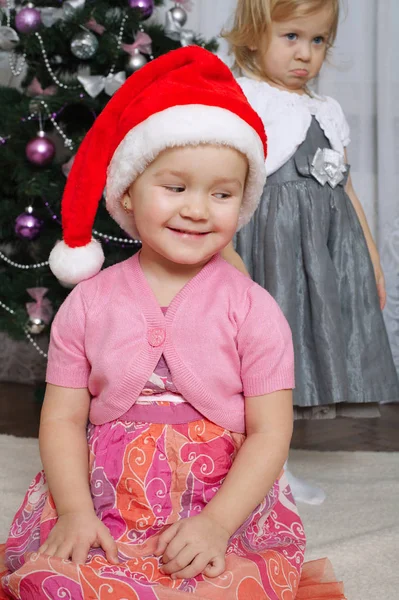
<point x="144" y="477"/>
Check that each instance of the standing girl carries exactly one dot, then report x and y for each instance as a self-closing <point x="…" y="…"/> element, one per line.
<point x="309" y="243"/>
<point x="182" y="366"/>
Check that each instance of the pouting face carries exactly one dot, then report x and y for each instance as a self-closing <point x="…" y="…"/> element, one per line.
<point x="294" y="50"/>
<point x="186" y="203"/>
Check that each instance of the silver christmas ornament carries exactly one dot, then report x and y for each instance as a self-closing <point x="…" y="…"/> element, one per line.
<point x="135" y="62"/>
<point x="35" y="326"/>
<point x="84" y="45"/>
<point x="175" y="31"/>
<point x="179" y="15"/>
<point x="9" y="38"/>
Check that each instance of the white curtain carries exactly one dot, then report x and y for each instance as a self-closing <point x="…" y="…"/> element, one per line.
<point x="363" y="75"/>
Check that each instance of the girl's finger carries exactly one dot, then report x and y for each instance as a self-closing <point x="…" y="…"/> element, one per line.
<point x="381" y="293"/>
<point x="165" y="538"/>
<point x="51" y="549"/>
<point x="216" y="567"/>
<point x="109" y="546"/>
<point x="80" y="552"/>
<point x="173" y="549"/>
<point x="43" y="548"/>
<point x="64" y="550"/>
<point x="181" y="560"/>
<point x="196" y="567"/>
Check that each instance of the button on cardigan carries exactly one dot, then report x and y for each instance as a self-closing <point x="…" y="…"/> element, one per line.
<point x="223" y="338"/>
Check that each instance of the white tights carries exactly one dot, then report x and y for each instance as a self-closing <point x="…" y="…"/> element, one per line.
<point x="303" y="491"/>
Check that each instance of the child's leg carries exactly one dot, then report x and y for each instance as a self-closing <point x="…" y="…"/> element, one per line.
<point x="303" y="491"/>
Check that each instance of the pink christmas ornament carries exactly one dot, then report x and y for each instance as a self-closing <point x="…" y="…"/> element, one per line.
<point x="146" y="7"/>
<point x="27" y="225"/>
<point x="28" y="19"/>
<point x="40" y="151"/>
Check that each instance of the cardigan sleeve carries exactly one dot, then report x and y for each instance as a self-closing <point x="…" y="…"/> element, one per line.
<point x="67" y="364"/>
<point x="265" y="346"/>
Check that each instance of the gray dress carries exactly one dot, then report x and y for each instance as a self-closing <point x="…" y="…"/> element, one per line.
<point x="305" y="245"/>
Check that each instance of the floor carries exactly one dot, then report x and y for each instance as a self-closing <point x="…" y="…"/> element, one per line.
<point x="20" y="412"/>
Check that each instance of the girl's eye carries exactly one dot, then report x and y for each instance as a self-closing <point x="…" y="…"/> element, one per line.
<point x="291" y="37"/>
<point x="177" y="189"/>
<point x="319" y="40"/>
<point x="221" y="195"/>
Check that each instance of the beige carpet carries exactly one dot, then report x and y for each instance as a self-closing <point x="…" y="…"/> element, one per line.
<point x="357" y="527"/>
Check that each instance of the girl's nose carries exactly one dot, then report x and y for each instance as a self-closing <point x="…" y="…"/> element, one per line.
<point x="303" y="51"/>
<point x="195" y="207"/>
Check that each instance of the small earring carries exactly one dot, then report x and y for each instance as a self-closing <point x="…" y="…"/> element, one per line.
<point x="125" y="207"/>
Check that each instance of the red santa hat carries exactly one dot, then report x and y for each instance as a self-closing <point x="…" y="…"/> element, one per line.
<point x="185" y="97"/>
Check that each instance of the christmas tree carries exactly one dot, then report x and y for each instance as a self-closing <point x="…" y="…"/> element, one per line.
<point x="75" y="54"/>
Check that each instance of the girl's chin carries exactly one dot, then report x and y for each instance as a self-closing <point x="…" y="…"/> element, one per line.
<point x="189" y="258"/>
<point x="184" y="254"/>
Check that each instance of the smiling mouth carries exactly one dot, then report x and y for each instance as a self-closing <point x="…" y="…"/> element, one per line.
<point x="187" y="232"/>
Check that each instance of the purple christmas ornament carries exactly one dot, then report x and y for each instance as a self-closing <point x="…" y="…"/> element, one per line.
<point x="27" y="225"/>
<point x="40" y="151"/>
<point x="28" y="19"/>
<point x="146" y="7"/>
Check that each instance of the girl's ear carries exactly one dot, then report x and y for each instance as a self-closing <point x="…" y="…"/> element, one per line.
<point x="126" y="202"/>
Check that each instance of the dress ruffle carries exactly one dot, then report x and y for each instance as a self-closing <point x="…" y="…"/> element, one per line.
<point x="317" y="582"/>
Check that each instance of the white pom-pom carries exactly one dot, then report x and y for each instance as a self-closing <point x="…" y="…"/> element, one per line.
<point x="71" y="265"/>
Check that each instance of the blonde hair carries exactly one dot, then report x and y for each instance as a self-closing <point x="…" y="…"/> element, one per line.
<point x="252" y="21"/>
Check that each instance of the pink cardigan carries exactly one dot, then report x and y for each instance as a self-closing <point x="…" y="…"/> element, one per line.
<point x="223" y="338"/>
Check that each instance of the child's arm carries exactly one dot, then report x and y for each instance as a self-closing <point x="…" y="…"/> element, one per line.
<point x="64" y="453"/>
<point x="198" y="545"/>
<point x="379" y="275"/>
<point x="269" y="425"/>
<point x="232" y="257"/>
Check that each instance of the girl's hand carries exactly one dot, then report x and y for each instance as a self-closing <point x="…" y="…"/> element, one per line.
<point x="75" y="533"/>
<point x="193" y="546"/>
<point x="379" y="279"/>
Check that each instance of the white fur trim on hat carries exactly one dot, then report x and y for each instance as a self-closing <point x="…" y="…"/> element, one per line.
<point x="71" y="265"/>
<point x="183" y="125"/>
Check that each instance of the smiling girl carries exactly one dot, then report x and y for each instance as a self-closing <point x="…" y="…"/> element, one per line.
<point x="168" y="412"/>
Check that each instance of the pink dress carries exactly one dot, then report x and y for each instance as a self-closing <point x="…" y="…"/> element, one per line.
<point x="145" y="474"/>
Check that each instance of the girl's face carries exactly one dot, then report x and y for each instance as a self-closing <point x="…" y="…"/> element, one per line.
<point x="186" y="203"/>
<point x="295" y="50"/>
